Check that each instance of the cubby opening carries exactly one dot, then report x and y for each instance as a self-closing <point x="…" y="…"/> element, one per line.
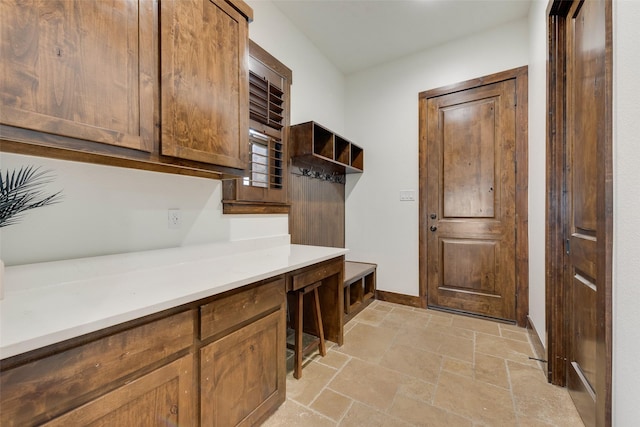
<point x="342" y="150"/>
<point x="322" y="142"/>
<point x="357" y="157"/>
<point x="314" y="144"/>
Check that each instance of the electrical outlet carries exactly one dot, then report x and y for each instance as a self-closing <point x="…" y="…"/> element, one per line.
<point x="407" y="195"/>
<point x="175" y="218"/>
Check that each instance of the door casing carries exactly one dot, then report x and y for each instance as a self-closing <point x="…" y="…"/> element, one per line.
<point x="556" y="317"/>
<point x="520" y="75"/>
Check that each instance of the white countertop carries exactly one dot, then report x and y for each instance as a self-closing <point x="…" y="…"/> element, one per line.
<point x="50" y="302"/>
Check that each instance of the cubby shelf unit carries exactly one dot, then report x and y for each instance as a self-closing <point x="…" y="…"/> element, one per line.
<point x="316" y="144"/>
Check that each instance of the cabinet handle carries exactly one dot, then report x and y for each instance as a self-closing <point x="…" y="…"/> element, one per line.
<point x="174" y="409"/>
<point x="433" y="228"/>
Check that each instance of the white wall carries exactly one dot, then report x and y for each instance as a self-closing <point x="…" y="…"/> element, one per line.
<point x="626" y="258"/>
<point x="382" y="117"/>
<point x="537" y="163"/>
<point x="318" y="87"/>
<point x="108" y="210"/>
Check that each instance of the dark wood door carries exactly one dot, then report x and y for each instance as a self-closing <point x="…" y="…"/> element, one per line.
<point x="471" y="200"/>
<point x="585" y="109"/>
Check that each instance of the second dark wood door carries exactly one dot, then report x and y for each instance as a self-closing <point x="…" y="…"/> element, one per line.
<point x="585" y="126"/>
<point x="471" y="201"/>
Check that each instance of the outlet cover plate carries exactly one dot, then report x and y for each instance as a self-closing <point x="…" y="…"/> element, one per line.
<point x="174" y="218"/>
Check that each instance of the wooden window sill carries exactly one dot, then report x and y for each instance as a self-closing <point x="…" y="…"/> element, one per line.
<point x="237" y="207"/>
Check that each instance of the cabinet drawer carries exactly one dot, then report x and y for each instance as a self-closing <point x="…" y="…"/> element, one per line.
<point x="47" y="387"/>
<point x="225" y="313"/>
<point x="315" y="274"/>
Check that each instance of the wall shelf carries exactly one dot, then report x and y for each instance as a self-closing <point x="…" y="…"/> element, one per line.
<point x="314" y="144"/>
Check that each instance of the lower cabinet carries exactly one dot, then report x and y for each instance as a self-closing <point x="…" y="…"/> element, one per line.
<point x="121" y="371"/>
<point x="159" y="372"/>
<point x="160" y="398"/>
<point x="243" y="359"/>
<point x="242" y="375"/>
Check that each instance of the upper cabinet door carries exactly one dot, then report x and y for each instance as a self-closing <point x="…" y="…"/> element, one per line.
<point x="205" y="82"/>
<point x="80" y="69"/>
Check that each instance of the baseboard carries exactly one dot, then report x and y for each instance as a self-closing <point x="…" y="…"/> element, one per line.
<point x="409" y="300"/>
<point x="538" y="347"/>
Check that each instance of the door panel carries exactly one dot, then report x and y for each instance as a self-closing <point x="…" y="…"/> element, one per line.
<point x="475" y="266"/>
<point x="468" y="155"/>
<point x="471" y="200"/>
<point x="585" y="110"/>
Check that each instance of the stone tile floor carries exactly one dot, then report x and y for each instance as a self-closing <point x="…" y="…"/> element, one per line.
<point x="403" y="366"/>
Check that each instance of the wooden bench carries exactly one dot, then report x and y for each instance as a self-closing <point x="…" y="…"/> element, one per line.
<point x="359" y="287"/>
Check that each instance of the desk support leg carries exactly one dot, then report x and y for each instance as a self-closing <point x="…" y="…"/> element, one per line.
<point x="297" y="370"/>
<point x="318" y="317"/>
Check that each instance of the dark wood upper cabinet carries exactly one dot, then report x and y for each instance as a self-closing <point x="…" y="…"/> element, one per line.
<point x="79" y="69"/>
<point x="264" y="188"/>
<point x="204" y="85"/>
<point x="145" y="84"/>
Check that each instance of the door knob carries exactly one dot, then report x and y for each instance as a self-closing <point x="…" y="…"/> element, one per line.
<point x="433" y="228"/>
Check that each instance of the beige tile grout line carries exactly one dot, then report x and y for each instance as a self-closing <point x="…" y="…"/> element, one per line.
<point x="308" y="407"/>
<point x="513" y="398"/>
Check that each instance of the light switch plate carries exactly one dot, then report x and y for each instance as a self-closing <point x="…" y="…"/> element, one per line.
<point x="407" y="195"/>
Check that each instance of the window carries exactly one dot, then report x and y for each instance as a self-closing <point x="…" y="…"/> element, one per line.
<point x="266" y="161"/>
<point x="264" y="188"/>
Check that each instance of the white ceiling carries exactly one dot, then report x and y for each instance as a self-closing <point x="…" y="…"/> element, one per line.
<point x="356" y="34"/>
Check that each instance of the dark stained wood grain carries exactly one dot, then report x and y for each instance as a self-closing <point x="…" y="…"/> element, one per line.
<point x="359" y="287"/>
<point x="580" y="204"/>
<point x="95" y="89"/>
<point x="204" y="84"/>
<point x="234" y="207"/>
<point x="243" y="374"/>
<point x="313" y="144"/>
<point x="317" y="211"/>
<point x="331" y="273"/>
<point x="221" y="316"/>
<point x="519" y="188"/>
<point x="555" y="232"/>
<point x="397" y="298"/>
<point x="79" y="69"/>
<point x="44" y="388"/>
<point x="471" y="194"/>
<point x="239" y="198"/>
<point x="162" y="397"/>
